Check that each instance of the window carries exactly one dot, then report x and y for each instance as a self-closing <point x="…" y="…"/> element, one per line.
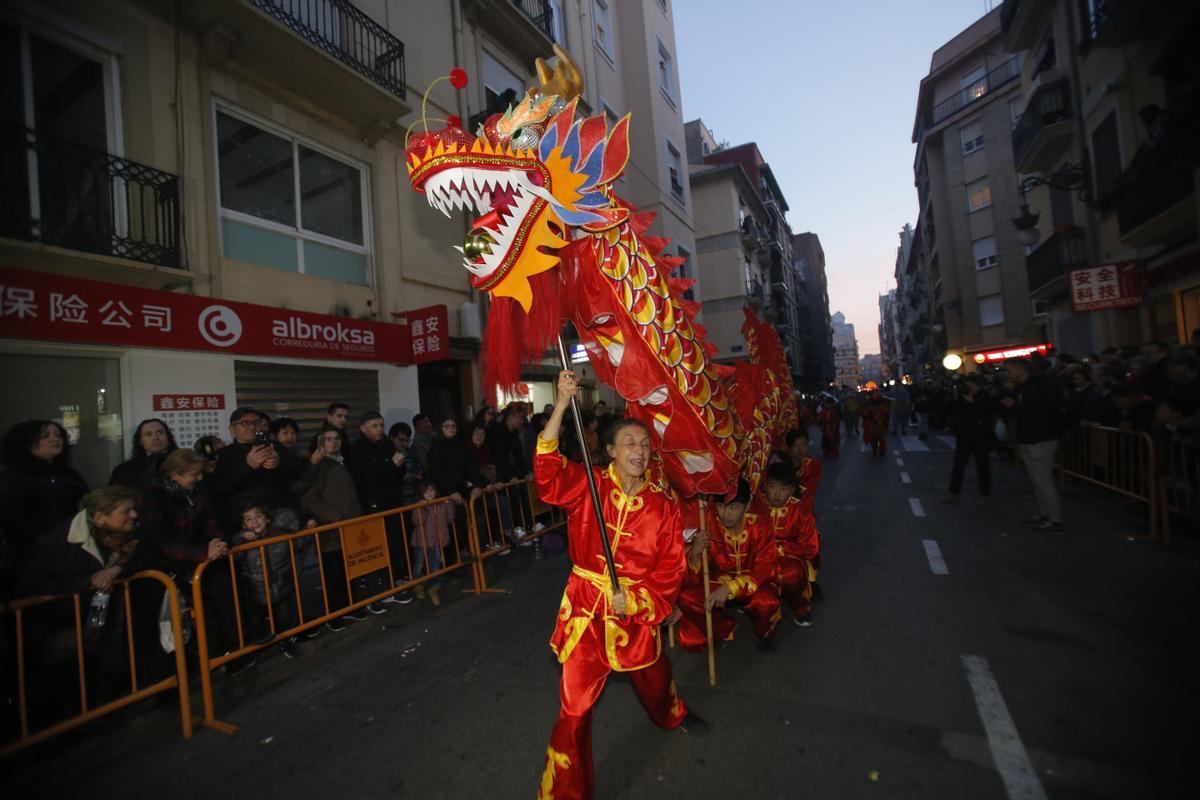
<point x="979" y="195"/>
<point x="602" y="14"/>
<point x="501" y="88"/>
<point x="557" y="21"/>
<point x="972" y="136"/>
<point x="984" y="252"/>
<point x="991" y="310"/>
<point x="1106" y="153"/>
<point x="1043" y="56"/>
<point x="675" y="169"/>
<point x="974" y="82"/>
<point x="684" y="270"/>
<point x="287" y="205"/>
<point x="666" y="72"/>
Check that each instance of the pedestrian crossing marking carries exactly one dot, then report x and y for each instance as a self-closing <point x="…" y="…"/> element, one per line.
<point x="899" y="461"/>
<point x="918" y="510"/>
<point x="904" y="478"/>
<point x="1008" y="751"/>
<point x="933" y="553"/>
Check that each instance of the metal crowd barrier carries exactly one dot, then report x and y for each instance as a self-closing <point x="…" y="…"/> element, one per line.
<point x="1119" y="461"/>
<point x="369" y="546"/>
<point x="525" y="509"/>
<point x="22" y="609"/>
<point x="1179" y="486"/>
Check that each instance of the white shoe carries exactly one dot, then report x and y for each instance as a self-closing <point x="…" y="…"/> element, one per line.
<point x="537" y="526"/>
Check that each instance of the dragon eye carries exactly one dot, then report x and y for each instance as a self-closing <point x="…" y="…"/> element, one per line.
<point x="524" y="138"/>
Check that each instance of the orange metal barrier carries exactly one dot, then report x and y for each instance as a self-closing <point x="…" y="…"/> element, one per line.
<point x="1119" y="461"/>
<point x="21" y="609"/>
<point x="368" y="545"/>
<point x="1179" y="485"/>
<point x="525" y="510"/>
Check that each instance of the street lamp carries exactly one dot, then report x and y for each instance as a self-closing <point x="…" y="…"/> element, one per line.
<point x="952" y="361"/>
<point x="1069" y="177"/>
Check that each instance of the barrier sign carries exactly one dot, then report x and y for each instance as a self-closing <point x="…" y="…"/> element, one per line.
<point x="364" y="547"/>
<point x="1106" y="286"/>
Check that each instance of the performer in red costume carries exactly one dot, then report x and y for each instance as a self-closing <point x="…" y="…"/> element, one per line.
<point x="787" y="514"/>
<point x="744" y="571"/>
<point x="875" y="424"/>
<point x="599" y="631"/>
<point x="831" y="434"/>
<point x="808" y="474"/>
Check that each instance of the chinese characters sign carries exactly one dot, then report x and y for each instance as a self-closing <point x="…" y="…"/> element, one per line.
<point x="1106" y="286"/>
<point x="190" y="416"/>
<point x="427" y="334"/>
<point x="36" y="305"/>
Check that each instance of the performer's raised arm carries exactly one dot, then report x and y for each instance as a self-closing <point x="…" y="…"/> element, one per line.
<point x="559" y="481"/>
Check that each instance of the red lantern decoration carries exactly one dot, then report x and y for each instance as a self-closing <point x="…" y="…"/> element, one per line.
<point x="458" y="78"/>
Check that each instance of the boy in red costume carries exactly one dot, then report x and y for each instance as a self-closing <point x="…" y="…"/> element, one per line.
<point x="597" y="630"/>
<point x="787" y="515"/>
<point x="875" y="424"/>
<point x="831" y="434"/>
<point x="743" y="570"/>
<point x="808" y="475"/>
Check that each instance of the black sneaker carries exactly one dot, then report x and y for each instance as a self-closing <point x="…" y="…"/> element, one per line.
<point x="336" y="624"/>
<point x="376" y="608"/>
<point x="358" y="615"/>
<point x="288" y="648"/>
<point x="694" y="723"/>
<point x="803" y="620"/>
<point x="240" y="665"/>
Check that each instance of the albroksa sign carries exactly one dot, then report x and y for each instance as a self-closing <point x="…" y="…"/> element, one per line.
<point x="43" y="306"/>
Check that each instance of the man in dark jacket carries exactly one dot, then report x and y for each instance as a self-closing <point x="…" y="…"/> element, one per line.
<point x="255" y="469"/>
<point x="452" y="468"/>
<point x="972" y="417"/>
<point x="1036" y="403"/>
<point x="378" y="472"/>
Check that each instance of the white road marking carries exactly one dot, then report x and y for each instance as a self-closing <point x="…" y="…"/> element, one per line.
<point x="937" y="564"/>
<point x="917" y="509"/>
<point x="1008" y="752"/>
<point x="913" y="445"/>
<point x="899" y="461"/>
<point x="866" y="448"/>
<point x="904" y="478"/>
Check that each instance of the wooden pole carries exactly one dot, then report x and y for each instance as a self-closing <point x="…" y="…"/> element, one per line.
<point x="712" y="655"/>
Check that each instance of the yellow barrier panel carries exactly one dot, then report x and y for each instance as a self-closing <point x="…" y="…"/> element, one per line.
<point x="20" y="609"/>
<point x="369" y="544"/>
<point x="1119" y="461"/>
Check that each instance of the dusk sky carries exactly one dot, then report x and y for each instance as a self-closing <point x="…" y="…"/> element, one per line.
<point x="829" y="96"/>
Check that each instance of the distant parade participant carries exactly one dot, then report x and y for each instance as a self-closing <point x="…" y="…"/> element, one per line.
<point x="831" y="434"/>
<point x="599" y="631"/>
<point x="851" y="407"/>
<point x="875" y="424"/>
<point x="743" y="571"/>
<point x="808" y="474"/>
<point x="779" y="504"/>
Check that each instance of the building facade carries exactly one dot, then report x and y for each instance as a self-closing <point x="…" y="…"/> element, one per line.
<point x="1107" y="145"/>
<point x="253" y="153"/>
<point x="967" y="191"/>
<point x="816" y="330"/>
<point x="845" y="353"/>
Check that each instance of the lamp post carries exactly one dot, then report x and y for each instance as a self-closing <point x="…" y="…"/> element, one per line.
<point x="1069" y="177"/>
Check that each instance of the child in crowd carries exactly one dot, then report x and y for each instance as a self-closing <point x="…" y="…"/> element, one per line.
<point x="431" y="532"/>
<point x="778" y="503"/>
<point x="280" y="591"/>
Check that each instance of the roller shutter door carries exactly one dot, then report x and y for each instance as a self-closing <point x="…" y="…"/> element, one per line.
<point x="303" y="392"/>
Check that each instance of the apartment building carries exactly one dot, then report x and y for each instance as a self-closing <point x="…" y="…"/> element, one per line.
<point x="1106" y="146"/>
<point x="845" y="352"/>
<point x="967" y="190"/>
<point x="816" y="331"/>
<point x="744" y="244"/>
<point x="207" y="201"/>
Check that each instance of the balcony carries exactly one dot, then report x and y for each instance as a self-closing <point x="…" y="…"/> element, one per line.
<point x="964" y="98"/>
<point x="1155" y="199"/>
<point x="1023" y="23"/>
<point x="1043" y="133"/>
<point x="1114" y="23"/>
<point x="58" y="193"/>
<point x="327" y="52"/>
<point x="1047" y="266"/>
<point x="527" y="26"/>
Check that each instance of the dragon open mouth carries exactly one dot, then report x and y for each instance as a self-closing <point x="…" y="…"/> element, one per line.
<point x="507" y="202"/>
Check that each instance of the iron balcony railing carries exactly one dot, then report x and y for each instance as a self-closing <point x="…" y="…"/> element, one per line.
<point x="1154" y="184"/>
<point x="1049" y="105"/>
<point x="539" y="13"/>
<point x="344" y="32"/>
<point x="1008" y="71"/>
<point x="63" y="194"/>
<point x="1051" y="260"/>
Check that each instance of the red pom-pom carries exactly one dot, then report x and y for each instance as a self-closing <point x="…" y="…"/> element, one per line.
<point x="454" y="121"/>
<point x="458" y="78"/>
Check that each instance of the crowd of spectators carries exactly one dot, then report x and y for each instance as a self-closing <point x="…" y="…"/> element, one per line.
<point x="174" y="508"/>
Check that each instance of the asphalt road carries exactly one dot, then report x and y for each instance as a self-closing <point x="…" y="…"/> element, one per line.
<point x="1017" y="665"/>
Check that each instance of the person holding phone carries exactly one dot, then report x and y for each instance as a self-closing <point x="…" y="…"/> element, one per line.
<point x="255" y="468"/>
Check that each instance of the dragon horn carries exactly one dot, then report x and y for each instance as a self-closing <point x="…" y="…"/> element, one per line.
<point x="564" y="80"/>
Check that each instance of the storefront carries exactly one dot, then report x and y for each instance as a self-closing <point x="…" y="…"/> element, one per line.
<point x="98" y="357"/>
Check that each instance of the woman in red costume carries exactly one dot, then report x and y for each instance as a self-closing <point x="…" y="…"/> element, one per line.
<point x="599" y="631"/>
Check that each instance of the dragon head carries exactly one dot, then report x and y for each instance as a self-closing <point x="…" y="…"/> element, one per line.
<point x="529" y="174"/>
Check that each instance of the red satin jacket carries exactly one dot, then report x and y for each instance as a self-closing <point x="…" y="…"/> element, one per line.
<point x="786" y="522"/>
<point x="647" y="544"/>
<point x="742" y="561"/>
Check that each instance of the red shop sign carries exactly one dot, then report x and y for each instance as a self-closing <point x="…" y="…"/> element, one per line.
<point x="426" y="337"/>
<point x="36" y="305"/>
<point x="1020" y="351"/>
<point x="1106" y="286"/>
